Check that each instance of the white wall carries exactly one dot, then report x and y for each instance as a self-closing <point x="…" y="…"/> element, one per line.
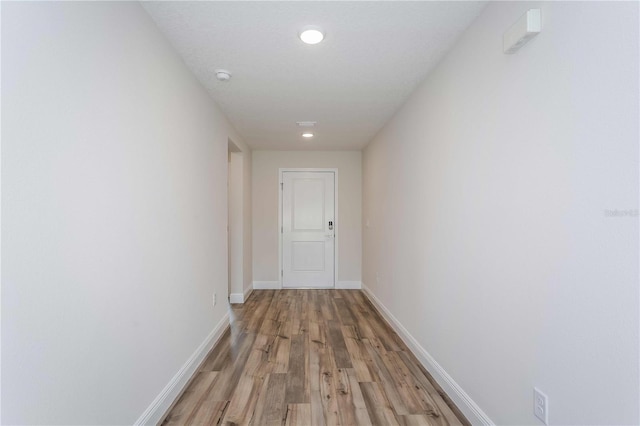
<point x="247" y="215"/>
<point x="486" y="198"/>
<point x="236" y="224"/>
<point x="265" y="166"/>
<point x="240" y="221"/>
<point x="114" y="213"/>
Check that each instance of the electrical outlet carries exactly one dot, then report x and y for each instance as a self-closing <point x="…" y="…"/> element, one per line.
<point x="541" y="405"/>
<point x="214" y="299"/>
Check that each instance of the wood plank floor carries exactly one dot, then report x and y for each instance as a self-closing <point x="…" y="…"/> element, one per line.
<point x="311" y="357"/>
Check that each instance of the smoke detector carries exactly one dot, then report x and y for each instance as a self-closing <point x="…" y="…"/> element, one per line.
<point x="223" y="75"/>
<point x="306" y="123"/>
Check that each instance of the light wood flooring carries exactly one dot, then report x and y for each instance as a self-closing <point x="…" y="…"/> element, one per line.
<point x="311" y="357"/>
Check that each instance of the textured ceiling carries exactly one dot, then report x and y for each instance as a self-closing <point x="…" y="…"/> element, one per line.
<point x="373" y="57"/>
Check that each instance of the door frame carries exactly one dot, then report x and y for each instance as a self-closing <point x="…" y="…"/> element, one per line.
<point x="335" y="220"/>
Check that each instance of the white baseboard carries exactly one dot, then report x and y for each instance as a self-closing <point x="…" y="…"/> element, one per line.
<point x="266" y="285"/>
<point x="159" y="407"/>
<point x="240" y="297"/>
<point x="349" y="285"/>
<point x="275" y="285"/>
<point x="247" y="292"/>
<point x="236" y="298"/>
<point x="469" y="408"/>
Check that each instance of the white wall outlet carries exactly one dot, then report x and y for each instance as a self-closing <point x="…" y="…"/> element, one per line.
<point x="214" y="299"/>
<point x="541" y="405"/>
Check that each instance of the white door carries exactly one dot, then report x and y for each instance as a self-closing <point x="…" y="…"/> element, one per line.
<point x="308" y="229"/>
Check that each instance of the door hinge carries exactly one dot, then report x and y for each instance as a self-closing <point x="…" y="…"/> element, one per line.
<point x="282" y="229"/>
<point x="281" y="185"/>
<point x="281" y="273"/>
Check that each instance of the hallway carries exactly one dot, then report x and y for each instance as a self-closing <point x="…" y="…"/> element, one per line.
<point x="456" y="180"/>
<point x="301" y="357"/>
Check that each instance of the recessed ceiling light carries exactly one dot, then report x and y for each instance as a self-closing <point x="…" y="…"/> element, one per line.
<point x="311" y="35"/>
<point x="307" y="135"/>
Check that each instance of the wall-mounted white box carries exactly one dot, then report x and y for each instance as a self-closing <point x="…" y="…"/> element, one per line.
<point x="528" y="26"/>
